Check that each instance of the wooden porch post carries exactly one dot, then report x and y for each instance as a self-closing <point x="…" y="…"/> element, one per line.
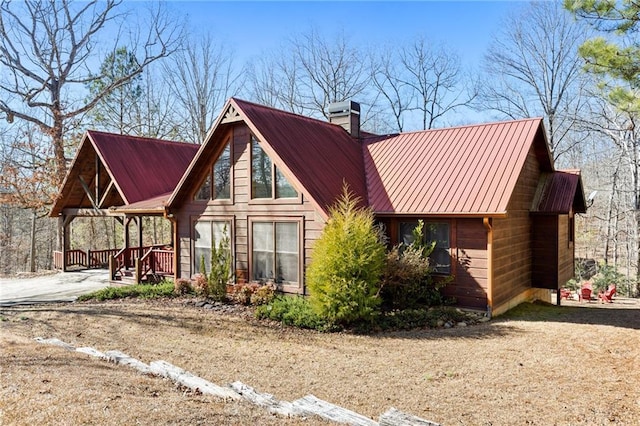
<point x="125" y="228"/>
<point x="65" y="241"/>
<point x="139" y="224"/>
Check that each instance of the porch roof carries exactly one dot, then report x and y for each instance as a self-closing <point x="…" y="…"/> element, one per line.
<point x="111" y="170"/>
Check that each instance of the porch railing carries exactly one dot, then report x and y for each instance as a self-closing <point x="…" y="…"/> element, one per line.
<point x="155" y="260"/>
<point x="100" y="258"/>
<point x="91" y="259"/>
<point x="137" y="262"/>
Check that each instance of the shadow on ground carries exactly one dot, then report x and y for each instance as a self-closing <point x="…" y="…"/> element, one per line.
<point x="622" y="313"/>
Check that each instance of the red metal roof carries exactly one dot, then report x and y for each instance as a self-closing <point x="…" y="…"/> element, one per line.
<point x="151" y="206"/>
<point x="142" y="168"/>
<point x="560" y="192"/>
<point x="320" y="155"/>
<point x="469" y="170"/>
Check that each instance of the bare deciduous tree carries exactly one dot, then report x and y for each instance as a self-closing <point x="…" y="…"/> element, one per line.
<point x="309" y="73"/>
<point x="421" y="78"/>
<point x="202" y="77"/>
<point x="623" y="192"/>
<point x="47" y="48"/>
<point x="533" y="68"/>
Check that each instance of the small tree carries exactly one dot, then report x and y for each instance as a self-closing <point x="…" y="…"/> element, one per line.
<point x="220" y="267"/>
<point x="407" y="280"/>
<point x="346" y="264"/>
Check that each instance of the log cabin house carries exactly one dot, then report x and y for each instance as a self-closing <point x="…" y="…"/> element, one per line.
<point x="501" y="215"/>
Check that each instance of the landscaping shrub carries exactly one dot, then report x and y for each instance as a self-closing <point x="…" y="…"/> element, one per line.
<point x="263" y="295"/>
<point x="409" y="319"/>
<point x="143" y="291"/>
<point x="220" y="268"/>
<point x="608" y="274"/>
<point x="242" y="292"/>
<point x="214" y="284"/>
<point x="200" y="284"/>
<point x="182" y="286"/>
<point x="346" y="265"/>
<point x="407" y="280"/>
<point x="292" y="310"/>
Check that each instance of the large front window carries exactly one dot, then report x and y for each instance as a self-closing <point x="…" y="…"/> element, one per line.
<point x="433" y="231"/>
<point x="266" y="179"/>
<point x="206" y="234"/>
<point x="275" y="252"/>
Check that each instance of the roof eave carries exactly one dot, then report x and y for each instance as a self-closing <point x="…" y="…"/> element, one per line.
<point x="497" y="215"/>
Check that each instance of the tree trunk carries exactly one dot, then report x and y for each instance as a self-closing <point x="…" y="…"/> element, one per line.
<point x="32" y="250"/>
<point x="610" y="214"/>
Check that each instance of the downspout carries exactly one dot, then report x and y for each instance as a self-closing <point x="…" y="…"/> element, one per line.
<point x="486" y="221"/>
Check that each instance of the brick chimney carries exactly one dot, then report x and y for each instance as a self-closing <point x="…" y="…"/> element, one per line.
<point x="347" y="115"/>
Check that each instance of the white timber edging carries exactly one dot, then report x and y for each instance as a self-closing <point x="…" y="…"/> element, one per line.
<point x="306" y="406"/>
<point x="395" y="417"/>
<point x="187" y="379"/>
<point x="55" y="342"/>
<point x="120" y="358"/>
<point x="92" y="352"/>
<point x="312" y="405"/>
<point x="265" y="400"/>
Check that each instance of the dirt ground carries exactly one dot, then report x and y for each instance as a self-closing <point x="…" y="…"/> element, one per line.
<point x="541" y="365"/>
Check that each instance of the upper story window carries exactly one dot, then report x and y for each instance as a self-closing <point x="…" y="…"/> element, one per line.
<point x="433" y="231"/>
<point x="220" y="176"/>
<point x="266" y="180"/>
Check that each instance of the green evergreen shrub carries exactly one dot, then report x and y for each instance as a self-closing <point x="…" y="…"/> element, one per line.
<point x="220" y="268"/>
<point x="346" y="265"/>
<point x="292" y="310"/>
<point x="407" y="280"/>
<point x="607" y="275"/>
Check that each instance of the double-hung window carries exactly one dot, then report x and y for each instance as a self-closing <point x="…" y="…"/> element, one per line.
<point x="275" y="251"/>
<point x="433" y="231"/>
<point x="206" y="234"/>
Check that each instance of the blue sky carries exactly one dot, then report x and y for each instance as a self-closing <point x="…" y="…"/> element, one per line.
<point x="255" y="27"/>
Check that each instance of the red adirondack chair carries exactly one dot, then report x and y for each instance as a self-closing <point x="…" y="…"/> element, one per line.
<point x="565" y="293"/>
<point x="585" y="293"/>
<point x="607" y="295"/>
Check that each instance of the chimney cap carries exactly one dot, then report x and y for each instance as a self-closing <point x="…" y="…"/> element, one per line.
<point x="337" y="109"/>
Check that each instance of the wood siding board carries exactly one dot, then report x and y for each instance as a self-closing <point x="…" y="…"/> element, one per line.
<point x="513" y="248"/>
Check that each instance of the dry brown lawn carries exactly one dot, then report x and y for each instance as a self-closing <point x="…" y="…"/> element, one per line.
<point x="541" y="365"/>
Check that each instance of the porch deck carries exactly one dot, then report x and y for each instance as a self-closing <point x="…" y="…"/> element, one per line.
<point x="133" y="264"/>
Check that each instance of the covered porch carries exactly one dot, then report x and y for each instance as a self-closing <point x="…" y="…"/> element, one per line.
<point x="133" y="262"/>
<point x="127" y="180"/>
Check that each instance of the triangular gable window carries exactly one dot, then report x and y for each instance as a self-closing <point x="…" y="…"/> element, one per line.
<point x="220" y="175"/>
<point x="266" y="179"/>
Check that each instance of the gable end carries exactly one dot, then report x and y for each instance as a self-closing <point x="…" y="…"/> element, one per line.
<point x="231" y="116"/>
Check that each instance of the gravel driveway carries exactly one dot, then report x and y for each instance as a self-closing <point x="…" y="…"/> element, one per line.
<point x="58" y="287"/>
